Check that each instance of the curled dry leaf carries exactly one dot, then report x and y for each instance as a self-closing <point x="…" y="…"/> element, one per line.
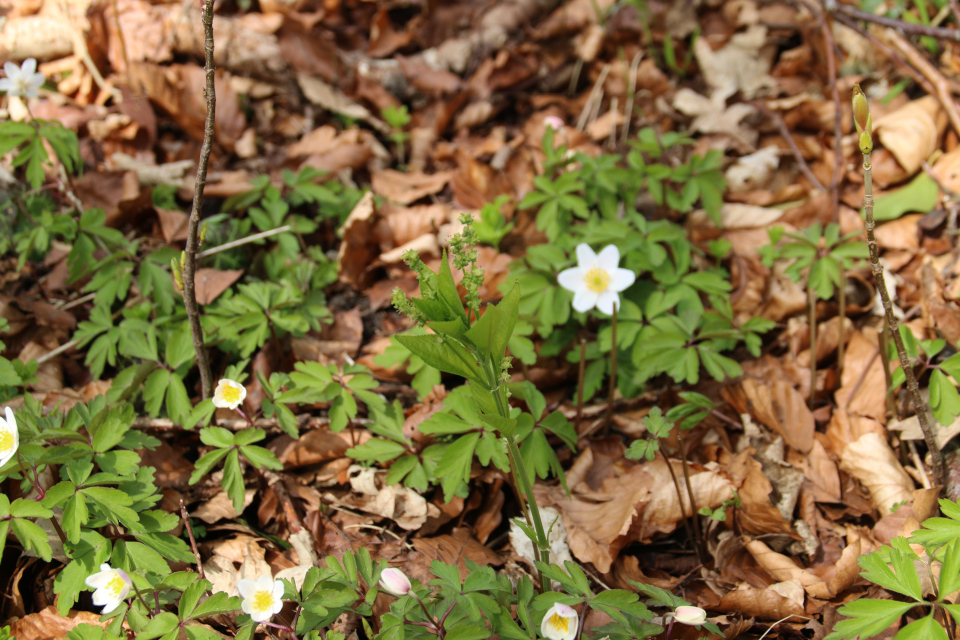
<point x="313" y="447"/>
<point x="356" y="251"/>
<point x="764" y="604"/>
<point x="406" y="188"/>
<point x="863" y="386"/>
<point x="756" y="514"/>
<point x="912" y="133"/>
<point x="401" y="504"/>
<point x="870" y="460"/>
<point x="663" y="512"/>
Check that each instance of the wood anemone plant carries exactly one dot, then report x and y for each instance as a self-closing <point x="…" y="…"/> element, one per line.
<point x="863" y="122"/>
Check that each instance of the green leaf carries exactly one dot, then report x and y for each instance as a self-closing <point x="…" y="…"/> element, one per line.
<point x="216" y="604"/>
<point x="454" y="467"/>
<point x="950" y="570"/>
<point x="902" y="578"/>
<point x="32" y="537"/>
<point x="919" y="196"/>
<point x="233" y="480"/>
<point x="206" y="462"/>
<point x="928" y="628"/>
<point x="260" y="457"/>
<point x="944" y="399"/>
<point x="160" y="625"/>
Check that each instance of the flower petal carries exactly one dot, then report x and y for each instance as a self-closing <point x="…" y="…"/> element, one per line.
<point x="101" y="597"/>
<point x="586" y="258"/>
<point x="606" y="301"/>
<point x="97" y="580"/>
<point x="261" y="616"/>
<point x="265" y="583"/>
<point x="29" y="67"/>
<point x="621" y="279"/>
<point x="11" y="69"/>
<point x="585" y="299"/>
<point x="246" y="606"/>
<point x="278" y="589"/>
<point x="609" y="258"/>
<point x="246" y="587"/>
<point x="571" y="279"/>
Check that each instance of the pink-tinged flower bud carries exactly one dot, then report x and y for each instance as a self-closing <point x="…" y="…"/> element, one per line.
<point x="690" y="615"/>
<point x="395" y="582"/>
<point x="554" y="123"/>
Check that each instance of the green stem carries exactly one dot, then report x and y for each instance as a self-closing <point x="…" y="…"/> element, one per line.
<point x="521" y="475"/>
<point x="613" y="366"/>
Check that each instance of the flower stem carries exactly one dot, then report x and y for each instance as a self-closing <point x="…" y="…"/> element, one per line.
<point x="694" y="510"/>
<point x="581" y="373"/>
<point x="193" y="541"/>
<point x="613" y="366"/>
<point x="812" y="311"/>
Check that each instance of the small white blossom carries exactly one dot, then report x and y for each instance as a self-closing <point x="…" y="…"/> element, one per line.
<point x="693" y="616"/>
<point x="597" y="280"/>
<point x="395" y="582"/>
<point x="9" y="437"/>
<point x="560" y="623"/>
<point x="554" y="122"/>
<point x="262" y="598"/>
<point x="111" y="587"/>
<point x="229" y="394"/>
<point x="22" y="81"/>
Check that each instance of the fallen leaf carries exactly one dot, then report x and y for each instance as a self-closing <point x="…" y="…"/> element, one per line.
<point x="712" y="116"/>
<point x="742" y="65"/>
<point x="406" y="188"/>
<point x="912" y="133"/>
<point x="210" y="283"/>
<point x="220" y="507"/>
<point x="870" y="460"/>
<point x="48" y="624"/>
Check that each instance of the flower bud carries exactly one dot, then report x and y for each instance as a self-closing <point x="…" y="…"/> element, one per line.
<point x="866" y="141"/>
<point x="395" y="582"/>
<point x="693" y="616"/>
<point x="861" y="110"/>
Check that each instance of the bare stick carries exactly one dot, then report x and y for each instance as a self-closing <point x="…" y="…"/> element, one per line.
<point x="694" y="511"/>
<point x="861" y="114"/>
<point x="797" y="155"/>
<point x="193" y="227"/>
<point x="835" y="181"/>
<point x="193" y="541"/>
<point x="242" y="241"/>
<point x="899" y="25"/>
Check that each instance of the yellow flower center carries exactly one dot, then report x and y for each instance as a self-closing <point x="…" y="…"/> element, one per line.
<point x="115" y="586"/>
<point x="560" y="623"/>
<point x="231" y="394"/>
<point x="262" y="600"/>
<point x="597" y="280"/>
<point x="6" y="441"/>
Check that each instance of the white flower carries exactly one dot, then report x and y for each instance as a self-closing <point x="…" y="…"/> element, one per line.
<point x="395" y="582"/>
<point x="553" y="122"/>
<point x="9" y="437"/>
<point x="559" y="623"/>
<point x="112" y="586"/>
<point x="229" y="394"/>
<point x="690" y="615"/>
<point x="596" y="281"/>
<point x="22" y="81"/>
<point x="262" y="598"/>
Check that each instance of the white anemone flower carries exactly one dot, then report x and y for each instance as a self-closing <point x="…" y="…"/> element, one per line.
<point x="560" y="623"/>
<point x="597" y="280"/>
<point x="262" y="598"/>
<point x="693" y="616"/>
<point x="229" y="394"/>
<point x="395" y="582"/>
<point x="111" y="587"/>
<point x="9" y="437"/>
<point x="23" y="81"/>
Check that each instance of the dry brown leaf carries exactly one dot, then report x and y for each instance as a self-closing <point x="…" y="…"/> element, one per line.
<point x="753" y="171"/>
<point x="712" y="116"/>
<point x="820" y="471"/>
<point x="357" y="251"/>
<point x="863" y="375"/>
<point x="870" y="460"/>
<point x="663" y="511"/>
<point x="901" y="233"/>
<point x="406" y="188"/>
<point x="765" y="604"/>
<point x="48" y="624"/>
<point x="372" y="495"/>
<point x="211" y="283"/>
<point x="332" y="99"/>
<point x="780" y="406"/>
<point x="457" y="549"/>
<point x="912" y="133"/>
<point x="173" y="224"/>
<point x="220" y="507"/>
<point x="318" y="445"/>
<point x="742" y="65"/>
<point x="757" y="514"/>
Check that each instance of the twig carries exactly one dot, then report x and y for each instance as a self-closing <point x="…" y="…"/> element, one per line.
<point x="941" y="88"/>
<point x="193" y="541"/>
<point x="812" y="310"/>
<point x="631" y="94"/>
<point x="899" y="25"/>
<point x="835" y="181"/>
<point x="797" y="154"/>
<point x="863" y="123"/>
<point x="166" y="424"/>
<point x="193" y="228"/>
<point x="242" y="241"/>
<point x="694" y="511"/>
<point x="580" y="376"/>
